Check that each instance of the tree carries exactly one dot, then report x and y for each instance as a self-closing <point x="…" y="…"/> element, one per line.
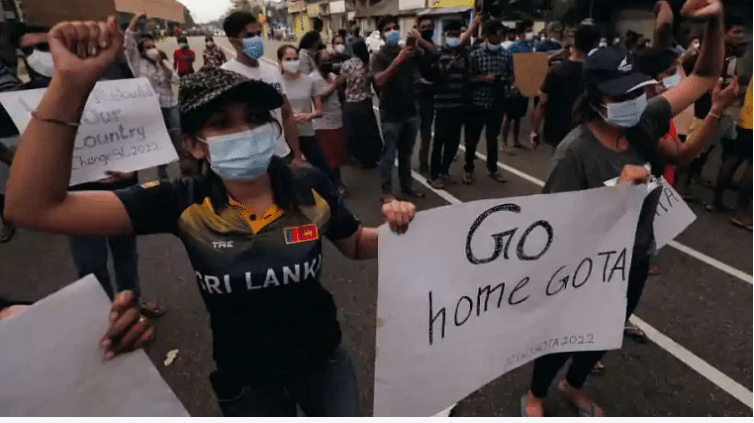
<point x="240" y="5"/>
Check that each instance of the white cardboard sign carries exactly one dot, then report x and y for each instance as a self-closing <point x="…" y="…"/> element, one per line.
<point x="672" y="215"/>
<point x="51" y="365"/>
<point x="122" y="128"/>
<point x="494" y="284"/>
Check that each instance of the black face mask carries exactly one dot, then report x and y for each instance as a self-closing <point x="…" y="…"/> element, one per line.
<point x="427" y="34"/>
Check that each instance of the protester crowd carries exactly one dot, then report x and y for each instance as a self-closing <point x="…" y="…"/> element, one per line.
<point x="261" y="147"/>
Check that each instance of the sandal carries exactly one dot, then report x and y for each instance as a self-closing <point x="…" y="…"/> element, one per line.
<point x="498" y="176"/>
<point x="583" y="412"/>
<point x="468" y="178"/>
<point x="437" y="184"/>
<point x="632" y="331"/>
<point x="599" y="368"/>
<point x="734" y="220"/>
<point x="447" y="179"/>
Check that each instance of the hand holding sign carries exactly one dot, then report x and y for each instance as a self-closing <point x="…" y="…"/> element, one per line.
<point x="82" y="50"/>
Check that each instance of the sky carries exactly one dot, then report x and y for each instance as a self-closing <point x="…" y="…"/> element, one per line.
<point x="207" y="10"/>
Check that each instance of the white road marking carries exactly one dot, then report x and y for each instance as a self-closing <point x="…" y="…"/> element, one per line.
<point x="674" y="244"/>
<point x="724" y="382"/>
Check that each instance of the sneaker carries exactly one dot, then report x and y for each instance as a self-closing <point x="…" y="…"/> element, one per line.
<point x="468" y="178"/>
<point x="437" y="183"/>
<point x="447" y="179"/>
<point x="498" y="176"/>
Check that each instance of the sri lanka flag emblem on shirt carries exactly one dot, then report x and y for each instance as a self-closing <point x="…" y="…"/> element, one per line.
<point x="300" y="234"/>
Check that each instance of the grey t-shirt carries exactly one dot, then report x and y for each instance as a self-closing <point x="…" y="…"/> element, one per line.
<point x="581" y="162"/>
<point x="301" y="91"/>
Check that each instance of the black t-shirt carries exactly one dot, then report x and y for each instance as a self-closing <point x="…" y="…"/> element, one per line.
<point x="583" y="162"/>
<point x="563" y="85"/>
<point x="397" y="94"/>
<point x="269" y="313"/>
<point x="702" y="106"/>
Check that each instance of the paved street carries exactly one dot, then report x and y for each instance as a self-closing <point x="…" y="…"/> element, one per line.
<point x="698" y="313"/>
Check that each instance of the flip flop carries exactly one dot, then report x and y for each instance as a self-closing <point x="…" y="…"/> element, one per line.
<point x="583" y="412"/>
<point x="740" y="223"/>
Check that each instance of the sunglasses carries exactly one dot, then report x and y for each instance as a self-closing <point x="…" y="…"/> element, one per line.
<point x="39" y="46"/>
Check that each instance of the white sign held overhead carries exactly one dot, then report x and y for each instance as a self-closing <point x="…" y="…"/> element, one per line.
<point x="51" y="364"/>
<point x="494" y="284"/>
<point x="122" y="128"/>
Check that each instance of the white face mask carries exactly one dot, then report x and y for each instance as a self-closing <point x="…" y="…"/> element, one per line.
<point x="670" y="81"/>
<point x="41" y="63"/>
<point x="291" y="66"/>
<point x="153" y="54"/>
<point x="625" y="114"/>
<point x="696" y="45"/>
<point x="529" y="36"/>
<point x="340" y="48"/>
<point x="603" y="44"/>
<point x="210" y="43"/>
<point x="183" y="45"/>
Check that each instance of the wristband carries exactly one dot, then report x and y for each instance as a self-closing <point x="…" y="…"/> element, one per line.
<point x="713" y="115"/>
<point x="36" y="116"/>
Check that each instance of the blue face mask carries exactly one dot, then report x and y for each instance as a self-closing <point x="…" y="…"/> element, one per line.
<point x="670" y="81"/>
<point x="243" y="156"/>
<point x="253" y="47"/>
<point x="452" y="41"/>
<point x="392" y="38"/>
<point x="626" y="114"/>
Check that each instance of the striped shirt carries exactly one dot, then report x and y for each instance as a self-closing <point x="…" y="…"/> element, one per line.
<point x="487" y="61"/>
<point x="162" y="78"/>
<point x="450" y="75"/>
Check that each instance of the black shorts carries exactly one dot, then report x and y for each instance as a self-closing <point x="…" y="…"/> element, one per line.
<point x="742" y="147"/>
<point x="515" y="107"/>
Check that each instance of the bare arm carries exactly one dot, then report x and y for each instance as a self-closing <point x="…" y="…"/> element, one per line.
<point x="290" y="129"/>
<point x="473" y="29"/>
<point x="539" y="113"/>
<point x="709" y="64"/>
<point x="339" y="82"/>
<point x="663" y="32"/>
<point x="37" y="194"/>
<point x="697" y="140"/>
<point x="363" y="244"/>
<point x="383" y="76"/>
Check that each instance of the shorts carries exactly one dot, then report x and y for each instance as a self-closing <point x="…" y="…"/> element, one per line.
<point x="741" y="147"/>
<point x="516" y="107"/>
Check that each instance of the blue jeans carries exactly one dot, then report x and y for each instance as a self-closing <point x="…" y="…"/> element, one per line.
<point x="400" y="137"/>
<point x="327" y="389"/>
<point x="90" y="256"/>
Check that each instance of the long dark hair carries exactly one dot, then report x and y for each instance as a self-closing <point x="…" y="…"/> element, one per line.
<point x="360" y="50"/>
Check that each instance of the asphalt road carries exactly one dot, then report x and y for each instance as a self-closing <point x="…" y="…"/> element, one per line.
<point x="699" y="362"/>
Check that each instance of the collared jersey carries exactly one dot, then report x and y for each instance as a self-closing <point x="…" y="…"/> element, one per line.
<point x="269" y="313"/>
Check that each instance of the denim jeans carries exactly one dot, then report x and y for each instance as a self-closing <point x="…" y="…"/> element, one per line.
<point x="328" y="389"/>
<point x="312" y="149"/>
<point x="400" y="137"/>
<point x="90" y="256"/>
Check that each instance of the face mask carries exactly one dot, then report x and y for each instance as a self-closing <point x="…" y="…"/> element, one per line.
<point x="626" y="114"/>
<point x="696" y="45"/>
<point x="253" y="47"/>
<point x="541" y="38"/>
<point x="153" y="54"/>
<point x="452" y="41"/>
<point x="529" y="36"/>
<point x="427" y="34"/>
<point x="616" y="41"/>
<point x="603" y="44"/>
<point x="670" y="81"/>
<point x="392" y="38"/>
<point x="340" y="48"/>
<point x="243" y="156"/>
<point x="41" y="63"/>
<point x="291" y="66"/>
<point x="210" y="43"/>
<point x="183" y="45"/>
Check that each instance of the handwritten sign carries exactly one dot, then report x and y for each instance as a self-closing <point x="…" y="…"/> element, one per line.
<point x="504" y="282"/>
<point x="122" y="128"/>
<point x="51" y="365"/>
<point x="672" y="215"/>
<point x="529" y="70"/>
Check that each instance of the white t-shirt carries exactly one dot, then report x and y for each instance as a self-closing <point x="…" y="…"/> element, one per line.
<point x="270" y="75"/>
<point x="333" y="117"/>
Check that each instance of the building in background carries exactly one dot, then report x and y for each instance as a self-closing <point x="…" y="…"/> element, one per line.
<point x="299" y="21"/>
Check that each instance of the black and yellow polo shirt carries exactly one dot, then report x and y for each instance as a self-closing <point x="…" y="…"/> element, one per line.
<point x="258" y="273"/>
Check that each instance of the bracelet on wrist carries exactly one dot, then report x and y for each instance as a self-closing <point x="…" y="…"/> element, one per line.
<point x="716" y="116"/>
<point x="60" y="122"/>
